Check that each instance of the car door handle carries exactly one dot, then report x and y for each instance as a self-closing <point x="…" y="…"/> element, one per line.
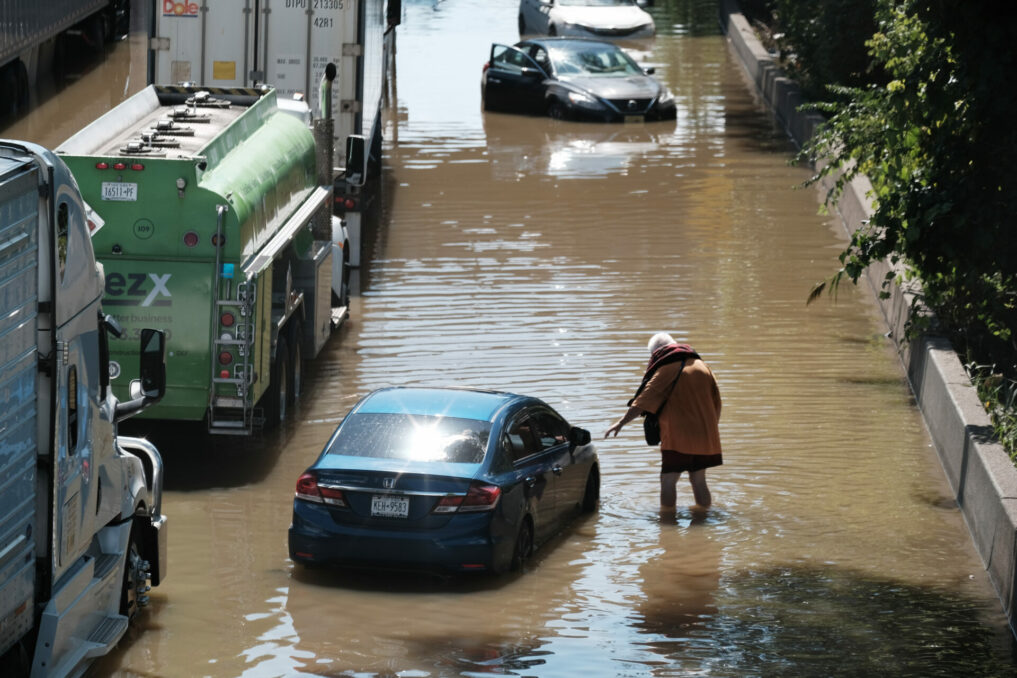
<point x="530" y="481"/>
<point x="496" y="81"/>
<point x="557" y="470"/>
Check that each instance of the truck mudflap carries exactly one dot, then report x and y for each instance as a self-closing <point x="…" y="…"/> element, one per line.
<point x="153" y="539"/>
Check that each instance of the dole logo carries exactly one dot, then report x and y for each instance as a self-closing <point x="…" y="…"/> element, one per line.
<point x="185" y="8"/>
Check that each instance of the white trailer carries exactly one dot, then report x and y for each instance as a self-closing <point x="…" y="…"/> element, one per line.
<point x="35" y="37"/>
<point x="287" y="44"/>
<point x="81" y="525"/>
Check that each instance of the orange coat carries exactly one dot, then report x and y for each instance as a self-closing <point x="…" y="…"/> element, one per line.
<point x="689" y="420"/>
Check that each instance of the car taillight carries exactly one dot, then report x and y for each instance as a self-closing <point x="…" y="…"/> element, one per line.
<point x="478" y="498"/>
<point x="449" y="503"/>
<point x="308" y="489"/>
<point x="486" y="66"/>
<point x="481" y="498"/>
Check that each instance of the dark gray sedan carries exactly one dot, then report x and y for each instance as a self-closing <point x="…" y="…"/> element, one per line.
<point x="573" y="79"/>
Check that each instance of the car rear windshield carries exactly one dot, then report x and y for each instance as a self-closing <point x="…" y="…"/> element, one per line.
<point x="412" y="437"/>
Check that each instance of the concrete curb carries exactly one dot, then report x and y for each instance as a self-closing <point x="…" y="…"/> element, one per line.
<point x="981" y="474"/>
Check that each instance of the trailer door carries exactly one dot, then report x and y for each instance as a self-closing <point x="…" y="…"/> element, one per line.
<point x="209" y="43"/>
<point x="298" y="38"/>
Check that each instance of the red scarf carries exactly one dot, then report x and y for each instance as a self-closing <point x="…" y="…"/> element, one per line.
<point x="665" y="355"/>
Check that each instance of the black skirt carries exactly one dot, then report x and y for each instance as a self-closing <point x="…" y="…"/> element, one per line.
<point x="678" y="462"/>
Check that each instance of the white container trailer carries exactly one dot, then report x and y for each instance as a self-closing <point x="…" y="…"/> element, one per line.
<point x="287" y="44"/>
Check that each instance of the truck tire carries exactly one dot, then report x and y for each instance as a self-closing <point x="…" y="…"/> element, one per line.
<point x="136" y="575"/>
<point x="343" y="298"/>
<point x="278" y="390"/>
<point x="296" y="365"/>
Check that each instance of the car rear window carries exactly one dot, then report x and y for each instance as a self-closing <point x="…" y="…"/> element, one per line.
<point x="412" y="437"/>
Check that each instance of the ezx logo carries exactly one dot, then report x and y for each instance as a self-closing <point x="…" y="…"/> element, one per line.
<point x="137" y="289"/>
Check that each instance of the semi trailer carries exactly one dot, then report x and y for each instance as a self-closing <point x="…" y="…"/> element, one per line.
<point x="287" y="45"/>
<point x="37" y="41"/>
<point x="81" y="526"/>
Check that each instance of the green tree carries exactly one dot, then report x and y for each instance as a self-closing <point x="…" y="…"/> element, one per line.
<point x="936" y="140"/>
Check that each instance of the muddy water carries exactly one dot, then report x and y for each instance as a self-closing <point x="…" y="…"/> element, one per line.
<point x="523" y="254"/>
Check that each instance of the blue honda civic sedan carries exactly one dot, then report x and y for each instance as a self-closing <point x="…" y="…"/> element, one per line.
<point x="450" y="479"/>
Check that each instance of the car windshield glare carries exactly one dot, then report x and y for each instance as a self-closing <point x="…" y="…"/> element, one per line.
<point x="595" y="60"/>
<point x="412" y="437"/>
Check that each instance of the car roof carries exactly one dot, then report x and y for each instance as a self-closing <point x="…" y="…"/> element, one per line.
<point x="466" y="403"/>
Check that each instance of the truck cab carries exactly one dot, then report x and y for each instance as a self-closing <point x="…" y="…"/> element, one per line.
<point x="81" y="525"/>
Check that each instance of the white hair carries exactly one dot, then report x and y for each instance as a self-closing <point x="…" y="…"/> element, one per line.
<point x="658" y="340"/>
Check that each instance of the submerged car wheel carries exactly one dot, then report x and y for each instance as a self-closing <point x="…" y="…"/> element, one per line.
<point x="556" y="110"/>
<point x="524" y="545"/>
<point x="592" y="494"/>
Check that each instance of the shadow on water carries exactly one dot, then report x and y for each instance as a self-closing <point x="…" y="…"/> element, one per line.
<point x="836" y="622"/>
<point x="195" y="460"/>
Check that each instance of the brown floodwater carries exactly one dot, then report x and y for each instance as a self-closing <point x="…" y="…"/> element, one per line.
<point x="525" y="254"/>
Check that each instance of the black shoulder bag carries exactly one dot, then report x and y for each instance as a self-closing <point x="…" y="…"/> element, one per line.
<point x="651" y="421"/>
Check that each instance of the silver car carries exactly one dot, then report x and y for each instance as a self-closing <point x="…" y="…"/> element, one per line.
<point x="605" y="19"/>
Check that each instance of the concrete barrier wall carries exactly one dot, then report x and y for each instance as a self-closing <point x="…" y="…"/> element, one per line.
<point x="981" y="474"/>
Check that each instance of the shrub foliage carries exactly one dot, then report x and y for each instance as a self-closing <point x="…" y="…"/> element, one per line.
<point x="930" y="120"/>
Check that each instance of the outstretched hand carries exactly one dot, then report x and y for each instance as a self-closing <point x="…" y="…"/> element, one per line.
<point x="629" y="415"/>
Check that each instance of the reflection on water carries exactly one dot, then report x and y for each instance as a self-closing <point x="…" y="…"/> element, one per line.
<point x="537" y="256"/>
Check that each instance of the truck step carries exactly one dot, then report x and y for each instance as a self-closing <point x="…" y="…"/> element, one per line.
<point x="105" y="634"/>
<point x="105" y="564"/>
<point x="339" y="314"/>
<point x="229" y="427"/>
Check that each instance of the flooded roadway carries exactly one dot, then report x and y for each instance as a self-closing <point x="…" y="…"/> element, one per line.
<point x="524" y="254"/>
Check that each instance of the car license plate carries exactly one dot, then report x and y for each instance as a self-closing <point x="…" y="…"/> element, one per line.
<point x="390" y="506"/>
<point x="119" y="190"/>
<point x="633" y="118"/>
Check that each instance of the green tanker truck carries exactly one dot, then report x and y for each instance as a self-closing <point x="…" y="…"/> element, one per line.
<point x="212" y="216"/>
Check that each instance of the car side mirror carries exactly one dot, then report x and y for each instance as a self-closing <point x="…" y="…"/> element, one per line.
<point x="578" y="437"/>
<point x="650" y="70"/>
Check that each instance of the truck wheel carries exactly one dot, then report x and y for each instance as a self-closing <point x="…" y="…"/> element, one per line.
<point x="296" y="366"/>
<point x="278" y="389"/>
<point x="136" y="576"/>
<point x="343" y="297"/>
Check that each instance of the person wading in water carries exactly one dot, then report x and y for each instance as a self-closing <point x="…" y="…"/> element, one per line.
<point x="681" y="389"/>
